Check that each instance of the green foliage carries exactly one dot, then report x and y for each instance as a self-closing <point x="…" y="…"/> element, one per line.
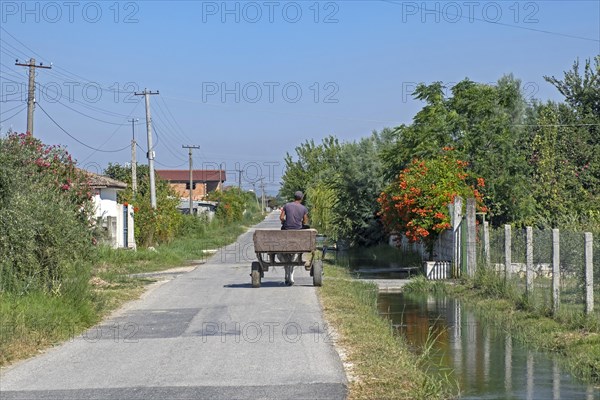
<point x="233" y="203"/>
<point x="341" y="182"/>
<point x="45" y="209"/>
<point x="416" y="204"/>
<point x="482" y="123"/>
<point x="152" y="226"/>
<point x="540" y="162"/>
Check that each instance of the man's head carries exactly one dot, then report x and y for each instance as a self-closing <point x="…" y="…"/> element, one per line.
<point x="298" y="195"/>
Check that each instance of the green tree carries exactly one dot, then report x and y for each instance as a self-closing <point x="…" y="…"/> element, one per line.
<point x="152" y="226"/>
<point x="483" y="123"/>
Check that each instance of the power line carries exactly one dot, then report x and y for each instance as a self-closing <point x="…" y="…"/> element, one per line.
<point x="10" y="109"/>
<point x="170" y="166"/>
<point x="496" y="22"/>
<point x="113" y="133"/>
<point x="15" y="114"/>
<point x="77" y="140"/>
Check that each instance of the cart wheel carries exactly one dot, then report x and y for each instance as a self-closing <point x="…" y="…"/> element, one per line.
<point x="255" y="274"/>
<point x="317" y="272"/>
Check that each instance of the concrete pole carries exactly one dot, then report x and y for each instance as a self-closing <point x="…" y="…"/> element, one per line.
<point x="191" y="182"/>
<point x="486" y="243"/>
<point x="150" y="155"/>
<point x="555" y="270"/>
<point x="471" y="238"/>
<point x="133" y="160"/>
<point x="507" y="251"/>
<point x="456" y="214"/>
<point x="192" y="177"/>
<point x="529" y="266"/>
<point x="589" y="273"/>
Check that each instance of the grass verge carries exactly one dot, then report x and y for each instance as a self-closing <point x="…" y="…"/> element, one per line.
<point x="382" y="365"/>
<point x="34" y="321"/>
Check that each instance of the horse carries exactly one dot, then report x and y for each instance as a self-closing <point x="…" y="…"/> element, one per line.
<point x="289" y="269"/>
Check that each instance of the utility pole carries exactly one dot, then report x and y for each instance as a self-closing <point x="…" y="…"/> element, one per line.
<point x="133" y="161"/>
<point x="191" y="176"/>
<point x="150" y="154"/>
<point x="31" y="90"/>
<point x="240" y="178"/>
<point x="219" y="186"/>
<point x="262" y="194"/>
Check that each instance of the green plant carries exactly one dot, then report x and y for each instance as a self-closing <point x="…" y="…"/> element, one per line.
<point x="152" y="225"/>
<point x="416" y="204"/>
<point x="45" y="215"/>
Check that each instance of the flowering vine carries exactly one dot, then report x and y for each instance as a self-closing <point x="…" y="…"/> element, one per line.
<point x="416" y="203"/>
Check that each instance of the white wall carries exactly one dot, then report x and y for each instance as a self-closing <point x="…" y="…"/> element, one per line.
<point x="105" y="201"/>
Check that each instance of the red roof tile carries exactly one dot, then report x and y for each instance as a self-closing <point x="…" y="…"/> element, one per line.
<point x="183" y="175"/>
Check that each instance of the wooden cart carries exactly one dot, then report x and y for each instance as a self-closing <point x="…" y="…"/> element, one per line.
<point x="286" y="248"/>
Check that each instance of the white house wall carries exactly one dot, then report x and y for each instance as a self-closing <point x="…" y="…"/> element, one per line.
<point x="105" y="201"/>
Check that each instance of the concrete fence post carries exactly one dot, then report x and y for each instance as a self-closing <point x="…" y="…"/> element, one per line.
<point x="471" y="238"/>
<point x="456" y="214"/>
<point x="486" y="243"/>
<point x="555" y="270"/>
<point x="529" y="265"/>
<point x="589" y="273"/>
<point x="507" y="251"/>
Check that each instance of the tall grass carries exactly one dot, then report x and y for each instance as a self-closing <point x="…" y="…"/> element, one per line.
<point x="383" y="365"/>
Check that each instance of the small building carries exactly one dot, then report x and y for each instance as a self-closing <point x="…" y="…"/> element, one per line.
<point x="199" y="208"/>
<point x="116" y="219"/>
<point x="203" y="181"/>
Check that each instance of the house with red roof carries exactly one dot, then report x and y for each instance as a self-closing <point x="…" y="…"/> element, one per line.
<point x="204" y="181"/>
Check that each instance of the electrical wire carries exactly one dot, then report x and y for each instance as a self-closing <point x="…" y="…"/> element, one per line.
<point x="113" y="133"/>
<point x="496" y="23"/>
<point x="15" y="114"/>
<point x="10" y="109"/>
<point x="74" y="138"/>
<point x="159" y="163"/>
<point x="165" y="144"/>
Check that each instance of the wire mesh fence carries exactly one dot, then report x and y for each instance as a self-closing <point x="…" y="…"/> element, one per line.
<point x="571" y="290"/>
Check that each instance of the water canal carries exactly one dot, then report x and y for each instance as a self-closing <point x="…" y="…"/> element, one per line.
<point x="487" y="362"/>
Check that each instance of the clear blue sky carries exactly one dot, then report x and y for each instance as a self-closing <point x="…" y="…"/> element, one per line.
<point x="249" y="81"/>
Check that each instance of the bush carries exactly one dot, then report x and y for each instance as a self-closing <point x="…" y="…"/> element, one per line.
<point x="233" y="202"/>
<point x="152" y="226"/>
<point x="45" y="209"/>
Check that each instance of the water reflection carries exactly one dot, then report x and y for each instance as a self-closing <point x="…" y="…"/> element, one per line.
<point x="487" y="362"/>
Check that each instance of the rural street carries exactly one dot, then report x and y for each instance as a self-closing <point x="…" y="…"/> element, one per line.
<point x="206" y="334"/>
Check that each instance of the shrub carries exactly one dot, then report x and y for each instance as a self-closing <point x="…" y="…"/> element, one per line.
<point x="152" y="226"/>
<point x="45" y="209"/>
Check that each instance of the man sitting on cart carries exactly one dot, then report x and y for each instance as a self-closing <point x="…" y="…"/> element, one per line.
<point x="294" y="215"/>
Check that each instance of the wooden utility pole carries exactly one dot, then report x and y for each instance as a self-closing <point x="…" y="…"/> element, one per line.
<point x="150" y="154"/>
<point x="133" y="160"/>
<point x="31" y="90"/>
<point x="191" y="176"/>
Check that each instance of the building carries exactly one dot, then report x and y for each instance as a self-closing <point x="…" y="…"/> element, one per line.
<point x="204" y="181"/>
<point x="116" y="219"/>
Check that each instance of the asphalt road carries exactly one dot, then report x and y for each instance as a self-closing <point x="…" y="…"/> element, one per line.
<point x="207" y="334"/>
